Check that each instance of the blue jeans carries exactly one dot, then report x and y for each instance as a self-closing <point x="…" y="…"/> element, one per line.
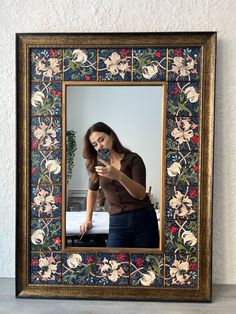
<point x="134" y="229"/>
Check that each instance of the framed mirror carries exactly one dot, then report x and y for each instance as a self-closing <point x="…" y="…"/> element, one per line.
<point x="156" y="91"/>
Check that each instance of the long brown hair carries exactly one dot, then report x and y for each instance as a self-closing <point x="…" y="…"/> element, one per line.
<point x="90" y="153"/>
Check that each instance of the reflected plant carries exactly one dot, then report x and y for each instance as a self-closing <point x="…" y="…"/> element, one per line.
<point x="71" y="149"/>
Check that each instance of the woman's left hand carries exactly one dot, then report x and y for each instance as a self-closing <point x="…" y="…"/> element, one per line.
<point x="108" y="171"/>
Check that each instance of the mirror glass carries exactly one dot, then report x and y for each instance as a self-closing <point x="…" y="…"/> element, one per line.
<point x="135" y="114"/>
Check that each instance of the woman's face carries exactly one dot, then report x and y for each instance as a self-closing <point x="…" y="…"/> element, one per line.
<point x="101" y="140"/>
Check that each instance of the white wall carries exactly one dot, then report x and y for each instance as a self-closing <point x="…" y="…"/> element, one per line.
<point x="127" y="16"/>
<point x="133" y="112"/>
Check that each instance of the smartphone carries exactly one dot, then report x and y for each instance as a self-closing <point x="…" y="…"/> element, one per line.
<point x="103" y="153"/>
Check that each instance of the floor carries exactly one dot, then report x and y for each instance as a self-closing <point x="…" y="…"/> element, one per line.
<point x="224" y="302"/>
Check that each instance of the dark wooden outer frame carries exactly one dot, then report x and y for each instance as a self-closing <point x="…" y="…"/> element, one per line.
<point x="24" y="42"/>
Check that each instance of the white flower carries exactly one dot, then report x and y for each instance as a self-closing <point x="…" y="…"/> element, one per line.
<point x="182" y="204"/>
<point x="183" y="67"/>
<point x="115" y="65"/>
<point x="74" y="260"/>
<point x="49" y="268"/>
<point x="38" y="237"/>
<point x="149" y="71"/>
<point x="184" y="131"/>
<point x="177" y="272"/>
<point x="148" y="279"/>
<point x="174" y="169"/>
<point x="111" y="269"/>
<point x="47" y="68"/>
<point x="189" y="238"/>
<point x="53" y="166"/>
<point x="45" y="135"/>
<point x="79" y="56"/>
<point x="37" y="99"/>
<point x="191" y="94"/>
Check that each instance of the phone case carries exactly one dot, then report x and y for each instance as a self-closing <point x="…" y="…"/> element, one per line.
<point x="103" y="153"/>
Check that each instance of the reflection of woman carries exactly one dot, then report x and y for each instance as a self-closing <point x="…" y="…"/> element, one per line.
<point x="133" y="221"/>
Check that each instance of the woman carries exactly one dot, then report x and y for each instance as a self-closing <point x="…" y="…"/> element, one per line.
<point x="133" y="221"/>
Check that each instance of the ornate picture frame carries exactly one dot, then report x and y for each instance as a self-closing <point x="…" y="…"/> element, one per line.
<point x="180" y="270"/>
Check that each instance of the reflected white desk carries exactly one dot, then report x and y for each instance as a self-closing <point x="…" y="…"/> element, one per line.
<point x="100" y="223"/>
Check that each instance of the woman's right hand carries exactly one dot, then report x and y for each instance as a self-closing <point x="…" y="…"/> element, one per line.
<point x="86" y="226"/>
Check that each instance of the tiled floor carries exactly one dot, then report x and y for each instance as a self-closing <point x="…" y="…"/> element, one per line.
<point x="224" y="302"/>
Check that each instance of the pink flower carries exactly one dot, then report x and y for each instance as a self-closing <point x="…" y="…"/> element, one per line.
<point x="157" y="54"/>
<point x="57" y="240"/>
<point x="139" y="261"/>
<point x="34" y="171"/>
<point x="34" y="144"/>
<point x="58" y="199"/>
<point x="120" y="257"/>
<point x="89" y="259"/>
<point x="195" y="139"/>
<point x="173" y="229"/>
<point x="195" y="167"/>
<point x="193" y="193"/>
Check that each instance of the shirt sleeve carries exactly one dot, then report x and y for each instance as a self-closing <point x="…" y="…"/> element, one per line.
<point x="139" y="171"/>
<point x="93" y="186"/>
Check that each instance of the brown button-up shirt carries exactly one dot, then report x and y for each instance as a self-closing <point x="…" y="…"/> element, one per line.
<point x="117" y="196"/>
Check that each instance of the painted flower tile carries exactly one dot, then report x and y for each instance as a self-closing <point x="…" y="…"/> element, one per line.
<point x="46" y="133"/>
<point x="181" y="237"/>
<point x="182" y="167"/>
<point x="80" y="64"/>
<point x="45" y="234"/>
<point x="78" y="269"/>
<point x="146" y="270"/>
<point x="149" y="64"/>
<point x="114" y="64"/>
<point x="181" y="271"/>
<point x="184" y="64"/>
<point x="45" y="268"/>
<point x="46" y="200"/>
<point x="181" y="202"/>
<point x="46" y="64"/>
<point x="182" y="134"/>
<point x="112" y="269"/>
<point x="46" y="167"/>
<point x="46" y="98"/>
<point x="183" y="99"/>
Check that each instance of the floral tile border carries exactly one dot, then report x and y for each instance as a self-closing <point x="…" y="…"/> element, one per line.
<point x="45" y="268"/>
<point x="182" y="202"/>
<point x="80" y="65"/>
<point x="182" y="133"/>
<point x="112" y="269"/>
<point x="184" y="64"/>
<point x="181" y="237"/>
<point x="182" y="167"/>
<point x="183" y="99"/>
<point x="46" y="64"/>
<point x="46" y="201"/>
<point x="48" y="67"/>
<point x="146" y="270"/>
<point x="78" y="269"/>
<point x="149" y="64"/>
<point x="45" y="234"/>
<point x="46" y="167"/>
<point x="46" y="98"/>
<point x="181" y="271"/>
<point x="46" y="133"/>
